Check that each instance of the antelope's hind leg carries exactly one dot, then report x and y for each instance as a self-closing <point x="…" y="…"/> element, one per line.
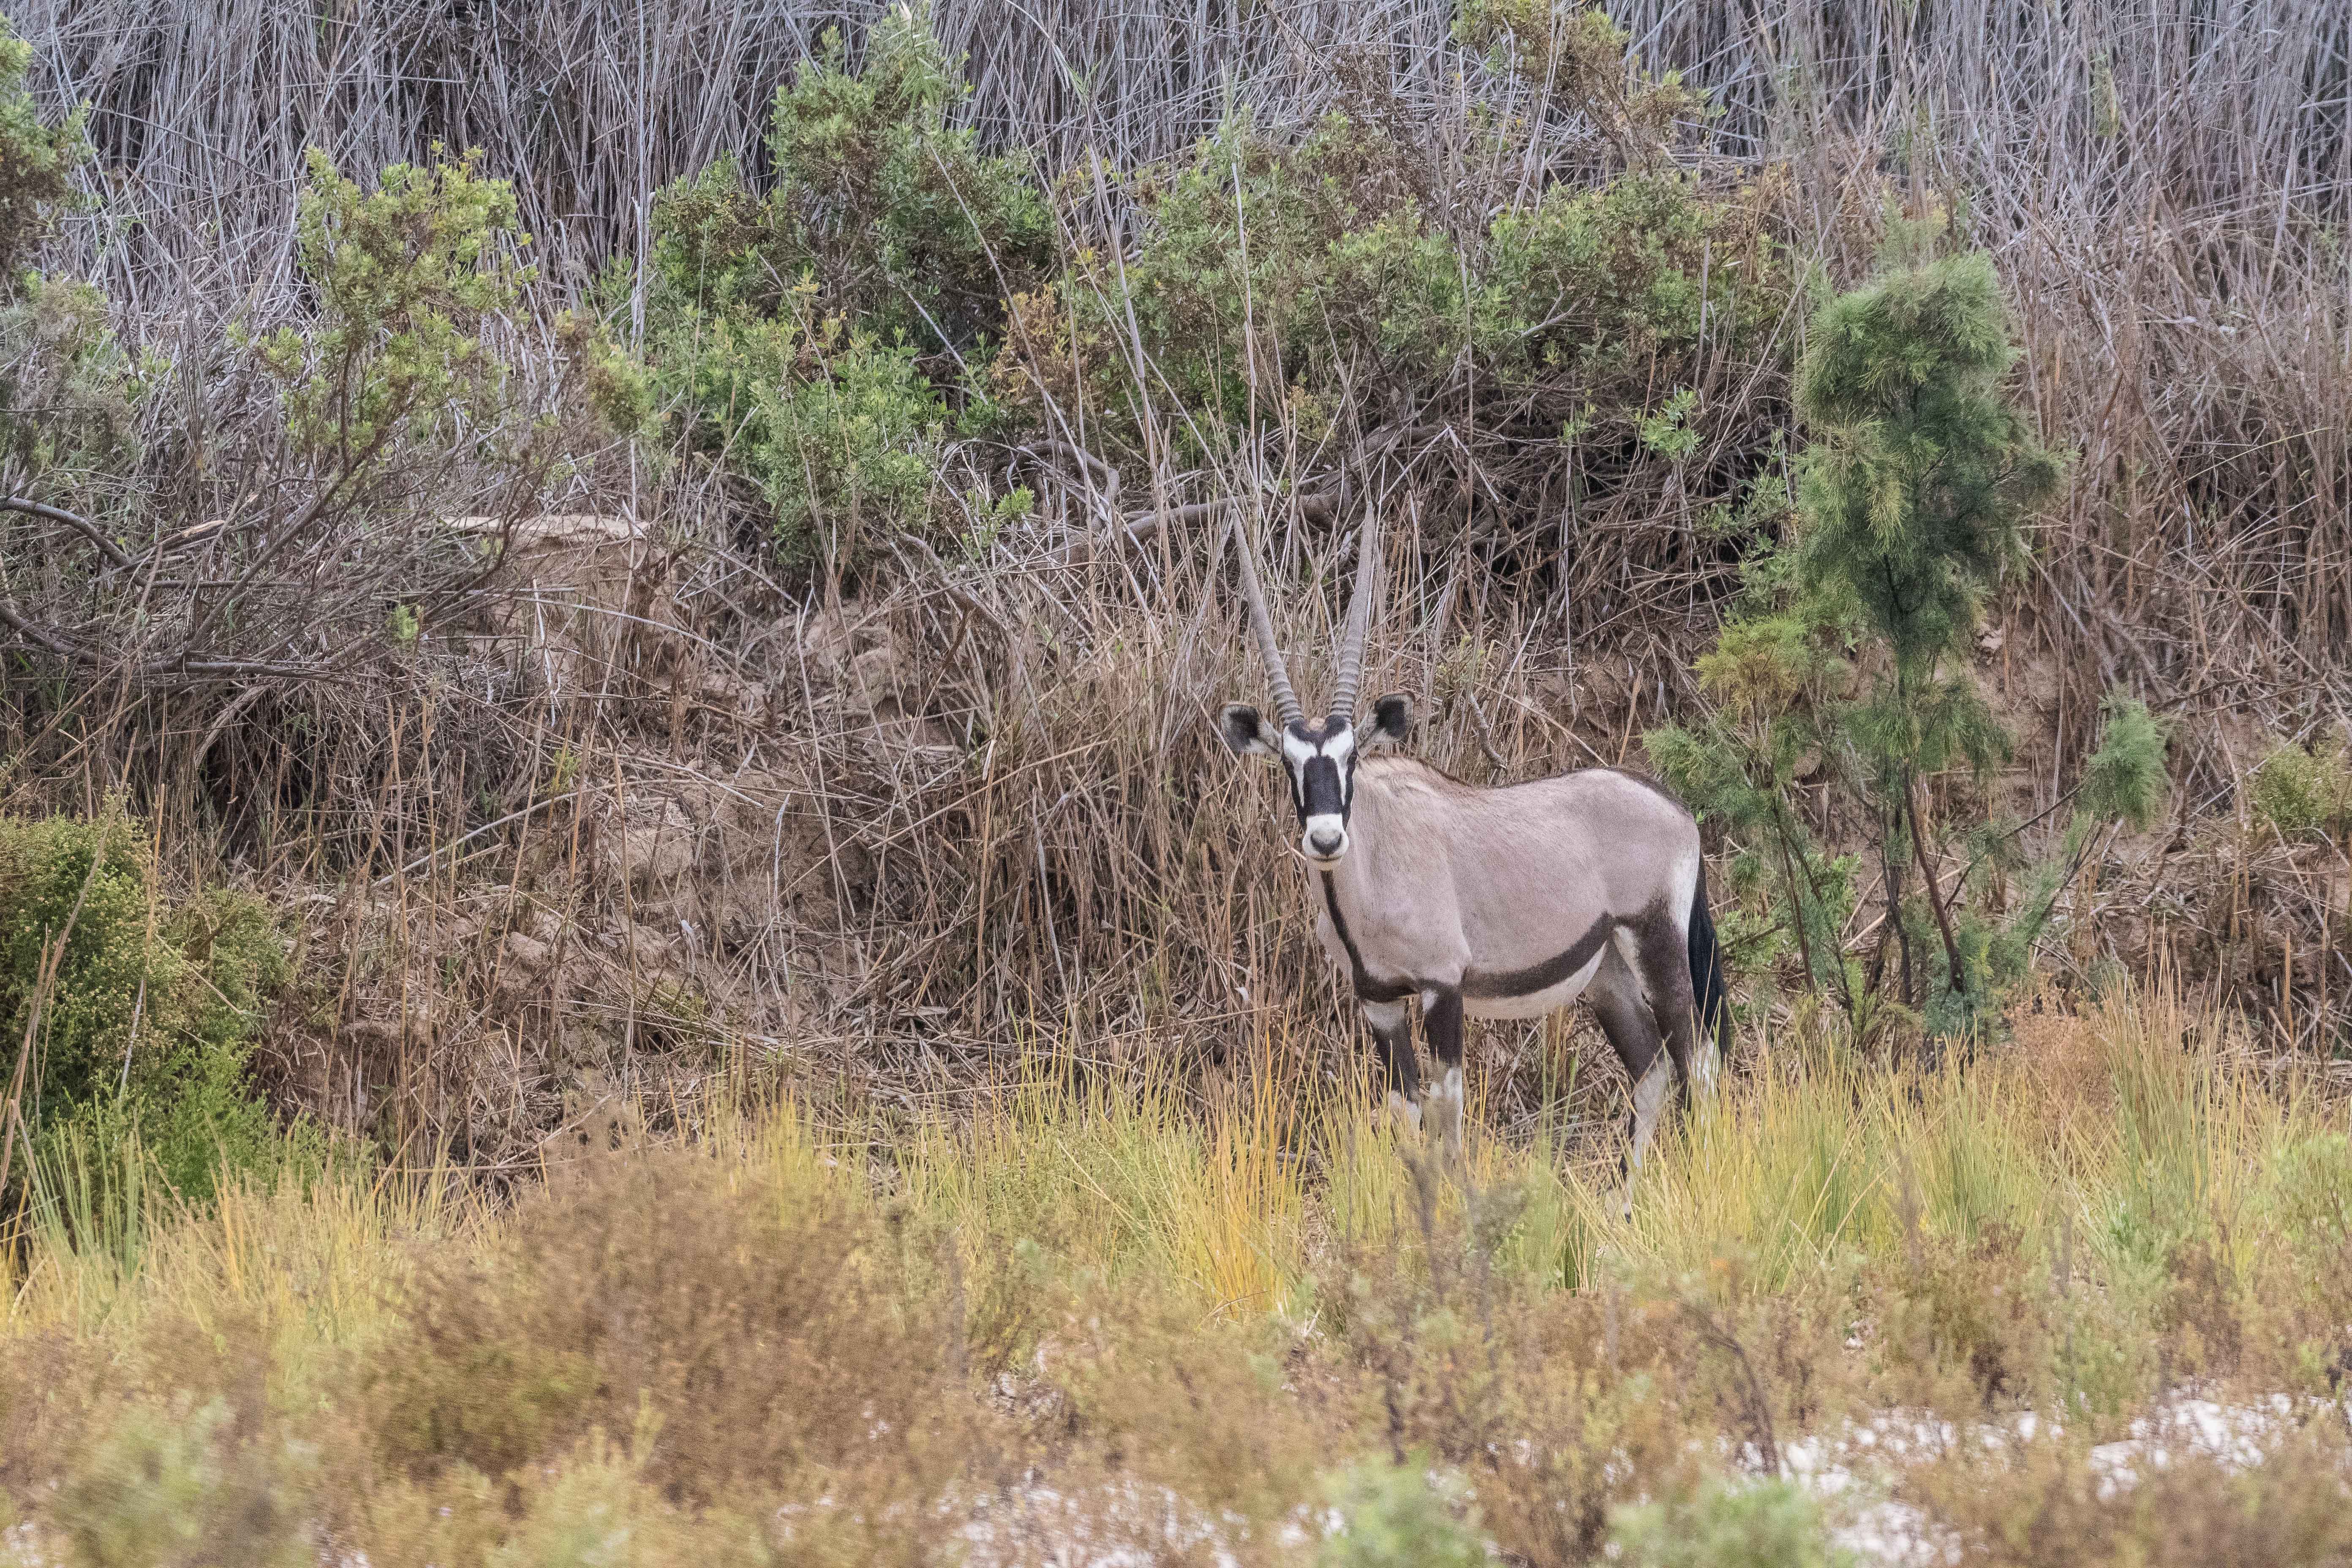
<point x="1392" y="1032"/>
<point x="1662" y="962"/>
<point x="1624" y="1017"/>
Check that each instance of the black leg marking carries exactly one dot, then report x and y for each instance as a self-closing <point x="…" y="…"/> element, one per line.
<point x="1445" y="1022"/>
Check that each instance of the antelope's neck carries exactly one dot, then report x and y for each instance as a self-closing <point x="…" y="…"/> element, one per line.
<point x="1372" y="844"/>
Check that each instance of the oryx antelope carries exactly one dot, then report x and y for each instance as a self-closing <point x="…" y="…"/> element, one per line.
<point x="1503" y="902"/>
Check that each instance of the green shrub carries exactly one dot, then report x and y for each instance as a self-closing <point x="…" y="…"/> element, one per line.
<point x="405" y="275"/>
<point x="849" y="452"/>
<point x="1576" y="57"/>
<point x="145" y="1027"/>
<point x="2306" y="791"/>
<point x="790" y="329"/>
<point x="166" y="1487"/>
<point x="37" y="162"/>
<point x="1396" y="1516"/>
<point x="818" y="338"/>
<point x="899" y="222"/>
<point x="67" y="389"/>
<point x="1767" y="1524"/>
<point x="1850" y="655"/>
<point x="1314" y="273"/>
<point x="72" y="390"/>
<point x="1606" y="281"/>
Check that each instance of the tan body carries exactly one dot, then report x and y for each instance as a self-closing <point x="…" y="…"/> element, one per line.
<point x="1444" y="881"/>
<point x="1502" y="903"/>
<point x="1514" y="902"/>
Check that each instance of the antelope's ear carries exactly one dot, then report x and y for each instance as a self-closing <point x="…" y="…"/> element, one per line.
<point x="1248" y="735"/>
<point x="1391" y="717"/>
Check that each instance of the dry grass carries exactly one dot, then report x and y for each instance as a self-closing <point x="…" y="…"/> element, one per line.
<point x="783" y="1339"/>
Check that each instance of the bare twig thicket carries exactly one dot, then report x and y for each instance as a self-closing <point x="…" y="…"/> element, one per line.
<point x="979" y="800"/>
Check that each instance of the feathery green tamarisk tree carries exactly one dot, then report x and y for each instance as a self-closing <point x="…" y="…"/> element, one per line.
<point x="1848" y="656"/>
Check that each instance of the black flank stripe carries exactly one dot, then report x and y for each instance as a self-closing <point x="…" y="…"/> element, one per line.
<point x="1366" y="988"/>
<point x="1535" y="976"/>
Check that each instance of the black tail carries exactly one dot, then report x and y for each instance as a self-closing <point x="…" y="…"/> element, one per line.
<point x="1708" y="988"/>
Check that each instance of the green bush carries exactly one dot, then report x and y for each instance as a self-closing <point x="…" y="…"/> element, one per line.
<point x="821" y="338"/>
<point x="899" y="221"/>
<point x="167" y="1487"/>
<point x="850" y="451"/>
<point x="1396" y="1516"/>
<point x="69" y="391"/>
<point x="72" y="389"/>
<point x="2306" y="791"/>
<point x="144" y="1027"/>
<point x="1850" y="653"/>
<point x="405" y="274"/>
<point x="798" y="333"/>
<point x="1769" y="1524"/>
<point x="1324" y="256"/>
<point x="37" y="162"/>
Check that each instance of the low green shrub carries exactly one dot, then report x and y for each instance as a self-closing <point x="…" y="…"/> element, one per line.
<point x="798" y="333"/>
<point x="820" y="338"/>
<point x="1397" y="1516"/>
<point x="1767" y="1524"/>
<point x="141" y="1016"/>
<point x="2306" y="791"/>
<point x="1313" y="272"/>
<point x="893" y="218"/>
<point x="37" y="161"/>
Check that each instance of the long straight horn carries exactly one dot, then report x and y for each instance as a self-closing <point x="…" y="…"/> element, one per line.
<point x="1360" y="620"/>
<point x="1286" y="700"/>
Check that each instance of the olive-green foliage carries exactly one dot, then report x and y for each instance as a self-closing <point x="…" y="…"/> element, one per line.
<point x="37" y="162"/>
<point x="1767" y="1524"/>
<point x="1920" y="472"/>
<point x="901" y="223"/>
<point x="405" y="276"/>
<point x="165" y="1487"/>
<point x="71" y="388"/>
<point x="2124" y="781"/>
<point x="791" y="329"/>
<point x="1320" y="249"/>
<point x="1848" y="657"/>
<point x="1395" y="1515"/>
<point x="820" y="336"/>
<point x="1313" y="272"/>
<point x="67" y="389"/>
<point x="2306" y="791"/>
<point x="146" y="1028"/>
<point x="1577" y="59"/>
<point x="841" y="432"/>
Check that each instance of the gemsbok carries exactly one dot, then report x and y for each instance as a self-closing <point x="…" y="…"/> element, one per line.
<point x="1504" y="902"/>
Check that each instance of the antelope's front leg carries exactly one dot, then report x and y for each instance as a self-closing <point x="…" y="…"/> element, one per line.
<point x="1393" y="1031"/>
<point x="1442" y="1013"/>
